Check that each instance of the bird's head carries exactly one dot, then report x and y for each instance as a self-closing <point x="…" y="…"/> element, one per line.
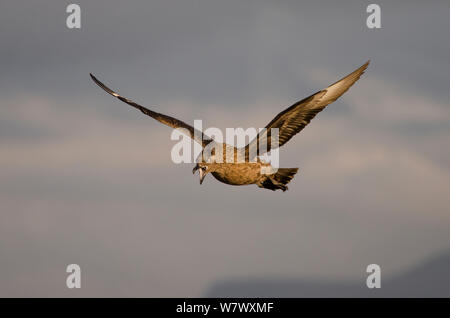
<point x="203" y="170"/>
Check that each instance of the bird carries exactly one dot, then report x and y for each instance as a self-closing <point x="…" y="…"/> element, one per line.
<point x="247" y="167"/>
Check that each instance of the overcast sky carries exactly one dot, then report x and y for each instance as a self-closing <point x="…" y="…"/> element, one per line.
<point x="85" y="179"/>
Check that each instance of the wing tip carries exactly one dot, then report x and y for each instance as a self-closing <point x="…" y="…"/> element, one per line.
<point x="103" y="86"/>
<point x="357" y="74"/>
<point x="96" y="81"/>
<point x="365" y="65"/>
<point x="363" y="68"/>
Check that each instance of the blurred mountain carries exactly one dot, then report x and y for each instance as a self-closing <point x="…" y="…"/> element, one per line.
<point x="429" y="279"/>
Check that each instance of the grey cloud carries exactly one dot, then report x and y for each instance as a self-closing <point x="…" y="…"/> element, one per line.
<point x="86" y="179"/>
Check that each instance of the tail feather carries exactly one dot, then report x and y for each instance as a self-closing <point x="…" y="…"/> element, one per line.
<point x="279" y="180"/>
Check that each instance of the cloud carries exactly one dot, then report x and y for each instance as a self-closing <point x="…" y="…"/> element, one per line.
<point x="87" y="179"/>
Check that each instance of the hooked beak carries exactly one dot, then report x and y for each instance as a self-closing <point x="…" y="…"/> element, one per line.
<point x="201" y="172"/>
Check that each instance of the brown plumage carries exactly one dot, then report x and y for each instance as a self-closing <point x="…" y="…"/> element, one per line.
<point x="247" y="168"/>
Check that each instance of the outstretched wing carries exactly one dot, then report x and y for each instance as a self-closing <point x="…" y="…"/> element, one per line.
<point x="292" y="120"/>
<point x="195" y="134"/>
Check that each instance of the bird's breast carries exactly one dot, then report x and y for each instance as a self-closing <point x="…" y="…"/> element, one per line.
<point x="238" y="173"/>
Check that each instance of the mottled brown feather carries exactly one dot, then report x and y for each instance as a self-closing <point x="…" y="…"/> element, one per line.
<point x="195" y="134"/>
<point x="293" y="119"/>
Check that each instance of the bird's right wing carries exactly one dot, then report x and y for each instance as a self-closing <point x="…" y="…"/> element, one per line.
<point x="293" y="119"/>
<point x="195" y="134"/>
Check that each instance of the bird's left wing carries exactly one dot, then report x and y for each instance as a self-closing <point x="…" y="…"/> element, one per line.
<point x="195" y="134"/>
<point x="292" y="120"/>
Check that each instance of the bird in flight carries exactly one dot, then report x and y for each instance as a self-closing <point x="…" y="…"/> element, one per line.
<point x="246" y="167"/>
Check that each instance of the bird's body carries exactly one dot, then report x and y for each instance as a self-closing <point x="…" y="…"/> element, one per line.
<point x="230" y="165"/>
<point x="243" y="166"/>
<point x="251" y="173"/>
<point x="237" y="173"/>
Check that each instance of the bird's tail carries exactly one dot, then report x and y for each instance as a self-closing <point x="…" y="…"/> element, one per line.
<point x="280" y="179"/>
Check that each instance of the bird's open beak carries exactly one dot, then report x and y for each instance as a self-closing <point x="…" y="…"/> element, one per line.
<point x="202" y="174"/>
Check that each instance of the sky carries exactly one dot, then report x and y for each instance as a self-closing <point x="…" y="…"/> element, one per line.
<point x="86" y="179"/>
